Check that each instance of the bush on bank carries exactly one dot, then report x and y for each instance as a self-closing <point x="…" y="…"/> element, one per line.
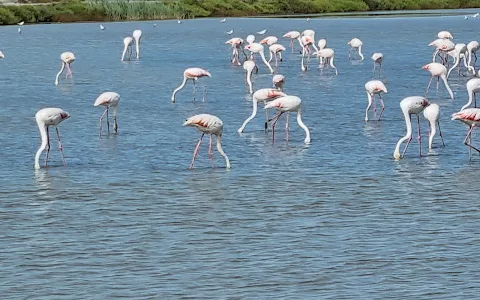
<point x="118" y="10"/>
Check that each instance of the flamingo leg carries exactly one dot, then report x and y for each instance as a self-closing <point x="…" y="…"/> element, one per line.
<point x="440" y="133"/>
<point x="101" y="119"/>
<point x="291" y="45"/>
<point x="383" y="107"/>
<point x="210" y="151"/>
<point x="374" y="107"/>
<point x="273" y="126"/>
<point x="69" y="72"/>
<point x="48" y="148"/>
<point x="475" y="99"/>
<point x="406" y="146"/>
<point x="60" y="146"/>
<point x="428" y="86"/>
<point x="374" y="65"/>
<point x="419" y="136"/>
<point x="204" y="93"/>
<point x="108" y="123"/>
<point x="286" y="124"/>
<point x="438" y="82"/>
<point x="195" y="152"/>
<point x="194" y="89"/>
<point x="267" y="119"/>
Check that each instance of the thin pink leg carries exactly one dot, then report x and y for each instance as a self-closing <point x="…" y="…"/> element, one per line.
<point x="101" y="119"/>
<point x="273" y="126"/>
<point x="60" y="147"/>
<point x="48" y="148"/>
<point x="195" y="152"/>
<point x="383" y="107"/>
<point x="428" y="86"/>
<point x="438" y="82"/>
<point x="69" y="71"/>
<point x="374" y="107"/>
<point x="419" y="136"/>
<point x="210" y="151"/>
<point x="286" y="124"/>
<point x="108" y="123"/>
<point x="406" y="146"/>
<point x="291" y="45"/>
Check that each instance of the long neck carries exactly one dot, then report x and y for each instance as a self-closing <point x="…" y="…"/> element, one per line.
<point x="44" y="136"/>
<point x="301" y="44"/>
<point x="314" y="47"/>
<point x="219" y="148"/>
<point x="137" y="46"/>
<point x="304" y="68"/>
<point x="271" y="56"/>
<point x="444" y="78"/>
<point x="433" y="130"/>
<point x="396" y="153"/>
<point x="331" y="64"/>
<point x="469" y="57"/>
<point x="254" y="113"/>
<point x="179" y="88"/>
<point x="249" y="80"/>
<point x="124" y="51"/>
<point x="457" y="61"/>
<point x="470" y="99"/>
<point x="265" y="61"/>
<point x="304" y="127"/>
<point x="360" y="52"/>
<point x="60" y="72"/>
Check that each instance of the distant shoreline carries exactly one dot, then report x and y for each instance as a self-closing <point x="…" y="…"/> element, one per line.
<point x="137" y="10"/>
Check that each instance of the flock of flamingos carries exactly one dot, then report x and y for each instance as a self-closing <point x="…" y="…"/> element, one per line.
<point x="274" y="97"/>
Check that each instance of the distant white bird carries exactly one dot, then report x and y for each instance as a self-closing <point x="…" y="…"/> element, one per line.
<point x="229" y="32"/>
<point x="179" y="22"/>
<point x="19" y="30"/>
<point x="262" y="32"/>
<point x="1" y="55"/>
<point x="21" y="23"/>
<point x="223" y="20"/>
<point x="154" y="25"/>
<point x="102" y="27"/>
<point x="476" y="15"/>
<point x="466" y="17"/>
<point x="308" y="19"/>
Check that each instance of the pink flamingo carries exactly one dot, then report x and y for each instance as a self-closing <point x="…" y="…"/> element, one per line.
<point x="263" y="95"/>
<point x="444" y="35"/>
<point x="276" y="49"/>
<point x="472" y="48"/>
<point x="288" y="104"/>
<point x="432" y="114"/>
<point x="356" y="45"/>
<point x="410" y="105"/>
<point x="49" y="117"/>
<point x="292" y="35"/>
<point x="471" y="117"/>
<point x="440" y="71"/>
<point x="249" y="66"/>
<point x="108" y="99"/>
<point x="374" y="87"/>
<point x="443" y="46"/>
<point x="459" y="50"/>
<point x="269" y="40"/>
<point x="67" y="58"/>
<point x="327" y="55"/>
<point x="192" y="74"/>
<point x="127" y="47"/>
<point x="377" y="58"/>
<point x="211" y="125"/>
<point x="473" y="87"/>
<point x="278" y="82"/>
<point x="236" y="44"/>
<point x="258" y="48"/>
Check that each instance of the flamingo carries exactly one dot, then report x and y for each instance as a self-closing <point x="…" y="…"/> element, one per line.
<point x="67" y="58"/>
<point x="49" y="117"/>
<point x="278" y="82"/>
<point x="410" y="105"/>
<point x="223" y="20"/>
<point x="262" y="31"/>
<point x="356" y="45"/>
<point x="102" y="27"/>
<point x="288" y="104"/>
<point x="292" y="35"/>
<point x="471" y="117"/>
<point x="374" y="87"/>
<point x="310" y="33"/>
<point x="137" y="35"/>
<point x="276" y="49"/>
<point x="445" y="35"/>
<point x="432" y="114"/>
<point x="236" y="44"/>
<point x="473" y="87"/>
<point x="127" y="46"/>
<point x="327" y="55"/>
<point x="210" y="125"/>
<point x="377" y="58"/>
<point x="263" y="95"/>
<point x="258" y="48"/>
<point x="472" y="48"/>
<point x="269" y="40"/>
<point x="443" y="46"/>
<point x="460" y="49"/>
<point x="322" y="43"/>
<point x="250" y="38"/>
<point x="248" y="66"/>
<point x="192" y="74"/>
<point x="108" y="99"/>
<point x="440" y="71"/>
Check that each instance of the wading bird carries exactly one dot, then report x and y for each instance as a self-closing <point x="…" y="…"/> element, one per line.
<point x="109" y="100"/>
<point x="471" y="117"/>
<point x="127" y="47"/>
<point x="374" y="87"/>
<point x="432" y="114"/>
<point x="356" y="45"/>
<point x="137" y="36"/>
<point x="67" y="58"/>
<point x="440" y="71"/>
<point x="192" y="74"/>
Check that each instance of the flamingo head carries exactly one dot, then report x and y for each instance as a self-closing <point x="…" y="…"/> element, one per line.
<point x="208" y="74"/>
<point x="64" y="115"/>
<point x="264" y="41"/>
<point x="248" y="47"/>
<point x="432" y="43"/>
<point x="425" y="103"/>
<point x="426" y="67"/>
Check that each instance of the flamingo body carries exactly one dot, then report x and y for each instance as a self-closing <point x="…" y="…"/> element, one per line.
<point x="109" y="100"/>
<point x="432" y="114"/>
<point x="374" y="87"/>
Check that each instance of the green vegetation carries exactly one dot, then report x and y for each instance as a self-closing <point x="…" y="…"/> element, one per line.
<point x="117" y="10"/>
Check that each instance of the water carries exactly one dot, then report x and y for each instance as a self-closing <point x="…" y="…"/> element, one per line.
<point x="337" y="219"/>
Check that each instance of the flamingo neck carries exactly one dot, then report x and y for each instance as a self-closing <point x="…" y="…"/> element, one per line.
<point x="44" y="136"/>
<point x="137" y="46"/>
<point x="470" y="99"/>
<point x="303" y="126"/>
<point x="59" y="72"/>
<point x="444" y="78"/>
<point x="360" y="52"/>
<point x="179" y="88"/>
<point x="408" y="123"/>
<point x="124" y="51"/>
<point x="249" y="80"/>
<point x="254" y="113"/>
<point x="220" y="150"/>
<point x="265" y="61"/>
